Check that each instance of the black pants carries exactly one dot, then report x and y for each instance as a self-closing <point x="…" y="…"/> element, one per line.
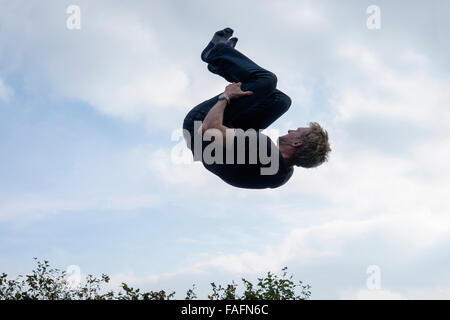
<point x="256" y="111"/>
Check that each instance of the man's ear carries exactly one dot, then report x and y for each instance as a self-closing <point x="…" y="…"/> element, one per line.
<point x="297" y="144"/>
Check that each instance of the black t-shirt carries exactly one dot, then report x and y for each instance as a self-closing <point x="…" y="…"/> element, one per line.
<point x="254" y="162"/>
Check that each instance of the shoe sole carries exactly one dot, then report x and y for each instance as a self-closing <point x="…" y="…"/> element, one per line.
<point x="225" y="34"/>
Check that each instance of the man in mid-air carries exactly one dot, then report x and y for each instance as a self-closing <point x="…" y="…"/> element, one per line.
<point x="224" y="131"/>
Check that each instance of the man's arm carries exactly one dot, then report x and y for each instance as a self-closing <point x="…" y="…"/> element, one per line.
<point x="214" y="118"/>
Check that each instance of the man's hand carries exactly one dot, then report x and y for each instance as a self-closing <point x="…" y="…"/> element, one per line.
<point x="233" y="91"/>
<point x="214" y="118"/>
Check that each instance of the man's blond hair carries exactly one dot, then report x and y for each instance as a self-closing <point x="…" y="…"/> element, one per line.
<point x="314" y="148"/>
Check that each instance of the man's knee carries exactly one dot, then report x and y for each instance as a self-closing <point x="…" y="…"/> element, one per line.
<point x="272" y="80"/>
<point x="285" y="102"/>
<point x="267" y="82"/>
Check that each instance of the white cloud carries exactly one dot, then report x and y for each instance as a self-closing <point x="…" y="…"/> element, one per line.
<point x="117" y="62"/>
<point x="142" y="281"/>
<point x="438" y="292"/>
<point x="378" y="294"/>
<point x="408" y="233"/>
<point x="415" y="96"/>
<point x="37" y="206"/>
<point x="190" y="176"/>
<point x="295" y="14"/>
<point x="5" y="92"/>
<point x="404" y="235"/>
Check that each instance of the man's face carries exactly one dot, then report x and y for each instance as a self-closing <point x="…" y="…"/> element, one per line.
<point x="293" y="137"/>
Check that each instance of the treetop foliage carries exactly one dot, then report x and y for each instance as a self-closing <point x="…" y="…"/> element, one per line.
<point x="47" y="283"/>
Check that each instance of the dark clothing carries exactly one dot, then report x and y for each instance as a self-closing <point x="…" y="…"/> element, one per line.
<point x="256" y="111"/>
<point x="249" y="173"/>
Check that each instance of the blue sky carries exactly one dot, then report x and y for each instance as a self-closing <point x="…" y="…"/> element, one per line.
<point x="87" y="116"/>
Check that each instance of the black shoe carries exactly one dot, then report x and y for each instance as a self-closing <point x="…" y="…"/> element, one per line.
<point x="220" y="36"/>
<point x="232" y="43"/>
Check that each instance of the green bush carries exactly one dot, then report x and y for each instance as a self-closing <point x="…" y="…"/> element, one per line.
<point x="46" y="283"/>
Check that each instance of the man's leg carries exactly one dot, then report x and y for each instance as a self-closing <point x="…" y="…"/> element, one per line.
<point x="258" y="116"/>
<point x="256" y="111"/>
<point x="236" y="67"/>
<point x="261" y="115"/>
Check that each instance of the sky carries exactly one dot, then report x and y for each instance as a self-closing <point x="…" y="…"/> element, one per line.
<point x="90" y="143"/>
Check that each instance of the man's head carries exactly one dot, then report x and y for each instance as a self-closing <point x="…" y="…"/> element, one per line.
<point x="307" y="147"/>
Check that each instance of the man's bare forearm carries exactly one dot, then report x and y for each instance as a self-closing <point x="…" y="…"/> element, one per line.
<point x="214" y="118"/>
